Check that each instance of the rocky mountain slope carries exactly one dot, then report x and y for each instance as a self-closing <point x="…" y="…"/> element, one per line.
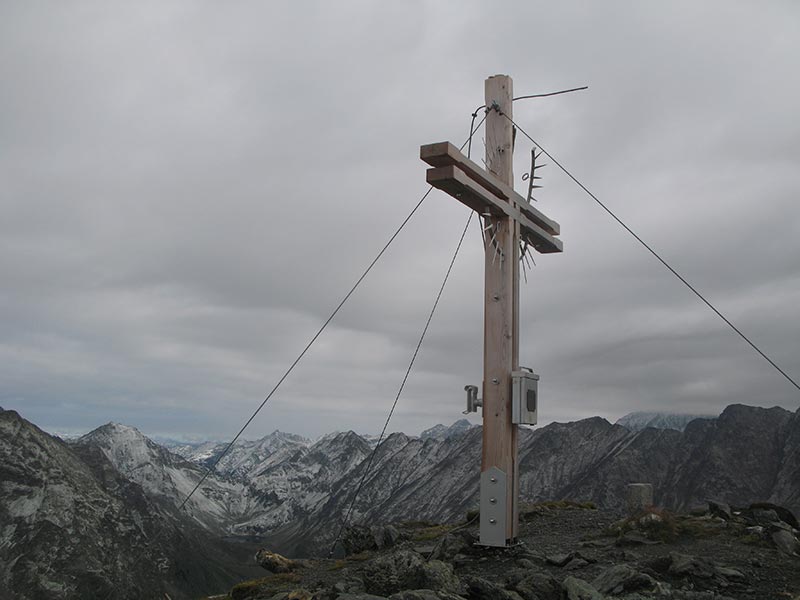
<point x="747" y="455"/>
<point x="217" y="505"/>
<point x="295" y="482"/>
<point x="72" y="526"/>
<point x="244" y="456"/>
<point x="442" y="432"/>
<point x="567" y="551"/>
<point x="117" y="486"/>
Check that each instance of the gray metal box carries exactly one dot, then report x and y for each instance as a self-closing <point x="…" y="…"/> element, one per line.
<point x="524" y="397"/>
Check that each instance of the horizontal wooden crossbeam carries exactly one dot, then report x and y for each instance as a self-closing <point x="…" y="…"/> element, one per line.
<point x="468" y="191"/>
<point x="442" y="154"/>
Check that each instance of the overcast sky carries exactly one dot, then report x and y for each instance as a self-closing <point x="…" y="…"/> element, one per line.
<point x="187" y="190"/>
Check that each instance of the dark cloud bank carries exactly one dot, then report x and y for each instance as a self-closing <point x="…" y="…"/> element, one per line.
<point x="187" y="191"/>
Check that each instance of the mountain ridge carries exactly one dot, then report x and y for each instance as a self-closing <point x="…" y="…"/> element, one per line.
<point x="639" y="420"/>
<point x="295" y="495"/>
<point x="587" y="460"/>
<point x="74" y="526"/>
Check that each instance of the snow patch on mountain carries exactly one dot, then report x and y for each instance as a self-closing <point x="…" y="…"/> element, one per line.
<point x="442" y="432"/>
<point x="73" y="526"/>
<point x="636" y="421"/>
<point x="218" y="501"/>
<point x="296" y="481"/>
<point x="244" y="456"/>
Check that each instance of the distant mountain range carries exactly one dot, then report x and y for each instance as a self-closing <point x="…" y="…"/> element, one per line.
<point x="636" y="421"/>
<point x="102" y="512"/>
<point x="441" y="432"/>
<point x="218" y="505"/>
<point x="73" y="525"/>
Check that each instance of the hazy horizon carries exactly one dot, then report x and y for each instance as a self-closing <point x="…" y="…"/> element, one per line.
<point x="178" y="437"/>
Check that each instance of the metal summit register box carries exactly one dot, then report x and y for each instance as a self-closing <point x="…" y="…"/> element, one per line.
<point x="524" y="397"/>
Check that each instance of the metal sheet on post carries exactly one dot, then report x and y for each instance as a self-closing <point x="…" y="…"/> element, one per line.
<point x="493" y="508"/>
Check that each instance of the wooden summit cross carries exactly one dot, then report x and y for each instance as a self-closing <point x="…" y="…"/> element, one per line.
<point x="508" y="219"/>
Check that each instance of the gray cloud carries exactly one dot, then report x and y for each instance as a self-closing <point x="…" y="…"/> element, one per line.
<point x="188" y="190"/>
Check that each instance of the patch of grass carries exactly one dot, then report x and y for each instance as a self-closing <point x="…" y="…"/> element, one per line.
<point x="359" y="556"/>
<point x="430" y="533"/>
<point x="338" y="565"/>
<point x="663" y="526"/>
<point x="353" y="558"/>
<point x="418" y="524"/>
<point x="529" y="511"/>
<point x="272" y="583"/>
<point x="655" y="524"/>
<point x="693" y="528"/>
<point x="753" y="539"/>
<point x="560" y="505"/>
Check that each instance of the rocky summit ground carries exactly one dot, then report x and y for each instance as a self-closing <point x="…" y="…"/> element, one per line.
<point x="568" y="551"/>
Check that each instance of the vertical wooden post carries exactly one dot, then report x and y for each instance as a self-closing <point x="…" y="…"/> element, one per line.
<point x="501" y="313"/>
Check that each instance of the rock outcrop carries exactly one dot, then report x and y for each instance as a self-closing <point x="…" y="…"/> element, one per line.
<point x="220" y="503"/>
<point x="72" y="526"/>
<point x="690" y="557"/>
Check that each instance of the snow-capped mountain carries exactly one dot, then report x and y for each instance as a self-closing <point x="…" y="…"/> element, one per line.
<point x="295" y="481"/>
<point x="219" y="503"/>
<point x="197" y="452"/>
<point x="72" y="526"/>
<point x="442" y="432"/>
<point x="746" y="455"/>
<point x="247" y="456"/>
<point x="244" y="455"/>
<point x="636" y="421"/>
<point x="117" y="484"/>
<point x="256" y="487"/>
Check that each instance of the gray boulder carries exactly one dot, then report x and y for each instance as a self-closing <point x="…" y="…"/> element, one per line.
<point x="786" y="542"/>
<point x="764" y="516"/>
<point x="348" y="586"/>
<point x="449" y="546"/>
<point x="359" y="539"/>
<point x="439" y="576"/>
<point x="784" y="514"/>
<point x="481" y="589"/>
<point x="578" y="589"/>
<point x="415" y="595"/>
<point x="635" y="538"/>
<point x="392" y="573"/>
<point x="720" y="509"/>
<point x="537" y="586"/>
<point x="405" y="570"/>
<point x="558" y="560"/>
<point x="573" y="560"/>
<point x="424" y="595"/>
<point x="684" y="565"/>
<point x="622" y="578"/>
